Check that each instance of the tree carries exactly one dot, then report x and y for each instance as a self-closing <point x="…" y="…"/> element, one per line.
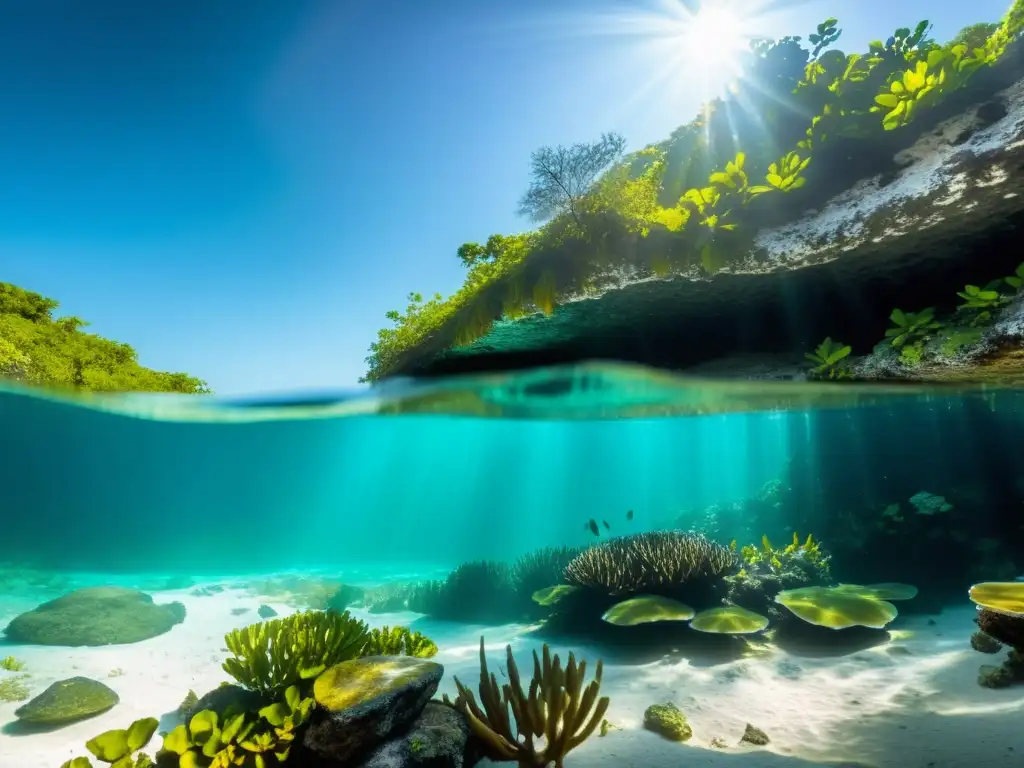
<point x="70" y="324"/>
<point x="471" y="254"/>
<point x="562" y="177"/>
<point x="975" y="35"/>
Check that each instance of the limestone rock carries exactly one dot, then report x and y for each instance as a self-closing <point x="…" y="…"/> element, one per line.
<point x="364" y="702"/>
<point x="95" y="616"/>
<point x="68" y="700"/>
<point x="440" y="738"/>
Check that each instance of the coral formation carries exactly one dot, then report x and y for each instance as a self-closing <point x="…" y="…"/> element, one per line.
<point x="536" y="570"/>
<point x="999" y="597"/>
<point x="68" y="700"/>
<point x="557" y="708"/>
<point x="925" y="503"/>
<point x="278" y="653"/>
<point x="647" y="609"/>
<point x="729" y="620"/>
<point x="984" y="643"/>
<point x="648" y="561"/>
<point x="667" y="720"/>
<point x="767" y="571"/>
<point x="95" y="616"/>
<point x="837" y="608"/>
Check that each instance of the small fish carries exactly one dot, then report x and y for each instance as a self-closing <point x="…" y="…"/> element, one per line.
<point x="607" y="527"/>
<point x="592" y="527"/>
<point x="629" y="515"/>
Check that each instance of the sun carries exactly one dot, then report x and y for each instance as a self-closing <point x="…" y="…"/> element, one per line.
<point x="715" y="37"/>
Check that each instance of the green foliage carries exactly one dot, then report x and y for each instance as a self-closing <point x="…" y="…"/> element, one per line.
<point x="478" y="591"/>
<point x="118" y="747"/>
<point x="274" y="654"/>
<point x="828" y="358"/>
<point x="11" y="664"/>
<point x="692" y="191"/>
<point x="779" y="560"/>
<point x="14" y="688"/>
<point x="210" y="740"/>
<point x="1016" y="280"/>
<point x="982" y="302"/>
<point x="910" y="328"/>
<point x="399" y="641"/>
<point x="38" y="349"/>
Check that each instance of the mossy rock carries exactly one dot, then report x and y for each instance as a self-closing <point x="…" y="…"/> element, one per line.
<point x="364" y="702"/>
<point x="667" y="720"/>
<point x="67" y="701"/>
<point x="95" y="616"/>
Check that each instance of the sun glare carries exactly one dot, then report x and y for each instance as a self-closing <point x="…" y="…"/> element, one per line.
<point x="715" y="37"/>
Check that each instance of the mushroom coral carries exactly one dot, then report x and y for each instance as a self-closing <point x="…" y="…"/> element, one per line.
<point x="647" y="609"/>
<point x="837" y="608"/>
<point x="729" y="620"/>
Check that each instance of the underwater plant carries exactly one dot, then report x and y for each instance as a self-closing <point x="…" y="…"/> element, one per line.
<point x="639" y="562"/>
<point x="828" y="358"/>
<point x="982" y="302"/>
<point x="557" y="708"/>
<point x="1016" y="280"/>
<point x="14" y="689"/>
<point x="475" y="591"/>
<point x="398" y="641"/>
<point x="118" y="747"/>
<point x="209" y="740"/>
<point x="11" y="664"/>
<point x="275" y="654"/>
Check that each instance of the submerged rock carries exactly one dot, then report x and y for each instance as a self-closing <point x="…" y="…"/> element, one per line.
<point x="364" y="702"/>
<point x="667" y="720"/>
<point x="439" y="738"/>
<point x="68" y="700"/>
<point x="755" y="736"/>
<point x="95" y="616"/>
<point x="266" y="612"/>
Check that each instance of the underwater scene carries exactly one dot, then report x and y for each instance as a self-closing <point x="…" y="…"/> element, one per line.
<point x="714" y="458"/>
<point x="342" y="583"/>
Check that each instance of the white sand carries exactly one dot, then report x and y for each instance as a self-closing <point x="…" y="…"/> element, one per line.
<point x="913" y="703"/>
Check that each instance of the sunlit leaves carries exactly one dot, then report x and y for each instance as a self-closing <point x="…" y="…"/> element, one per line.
<point x="827" y="359"/>
<point x="784" y="175"/>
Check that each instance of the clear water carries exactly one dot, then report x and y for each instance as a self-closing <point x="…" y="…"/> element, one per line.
<point x="406" y="482"/>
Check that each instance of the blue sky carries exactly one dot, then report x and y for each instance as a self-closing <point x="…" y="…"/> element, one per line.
<point x="243" y="195"/>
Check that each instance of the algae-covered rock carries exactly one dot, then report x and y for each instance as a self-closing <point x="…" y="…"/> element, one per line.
<point x="755" y="736"/>
<point x="439" y="738"/>
<point x="95" y="616"/>
<point x="364" y="702"/>
<point x="667" y="720"/>
<point x="68" y="700"/>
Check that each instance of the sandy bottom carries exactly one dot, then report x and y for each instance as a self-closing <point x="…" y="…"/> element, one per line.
<point x="913" y="702"/>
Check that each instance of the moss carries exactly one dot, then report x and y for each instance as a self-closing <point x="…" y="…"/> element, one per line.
<point x="68" y="700"/>
<point x="14" y="688"/>
<point x="667" y="720"/>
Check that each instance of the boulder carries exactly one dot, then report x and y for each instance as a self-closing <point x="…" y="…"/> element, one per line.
<point x="364" y="702"/>
<point x="440" y="738"/>
<point x="95" y="616"/>
<point x="66" y="701"/>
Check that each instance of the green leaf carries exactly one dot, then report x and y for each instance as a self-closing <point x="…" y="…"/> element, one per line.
<point x="77" y="762"/>
<point x="275" y="713"/>
<point x="177" y="741"/>
<point x="110" y="745"/>
<point x="887" y="99"/>
<point x="190" y="759"/>
<point x="898" y="317"/>
<point x="140" y="732"/>
<point x="232" y="728"/>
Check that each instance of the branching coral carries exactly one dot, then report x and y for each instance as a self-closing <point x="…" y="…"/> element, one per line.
<point x="399" y="641"/>
<point x="631" y="564"/>
<point x="275" y="654"/>
<point x="541" y="568"/>
<point x="557" y="709"/>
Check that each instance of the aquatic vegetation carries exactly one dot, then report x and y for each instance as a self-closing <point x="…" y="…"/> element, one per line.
<point x="828" y="359"/>
<point x="647" y="609"/>
<point x="912" y="329"/>
<point x="1016" y="280"/>
<point x="686" y="203"/>
<point x="11" y="664"/>
<point x="557" y="708"/>
<point x="925" y="503"/>
<point x="667" y="720"/>
<point x="38" y="349"/>
<point x="95" y="616"/>
<point x="639" y="562"/>
<point x="982" y="301"/>
<point x="729" y="620"/>
<point x="14" y="688"/>
<point x="118" y="747"/>
<point x="476" y="591"/>
<point x="837" y="608"/>
<point x="399" y="641"/>
<point x="275" y="654"/>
